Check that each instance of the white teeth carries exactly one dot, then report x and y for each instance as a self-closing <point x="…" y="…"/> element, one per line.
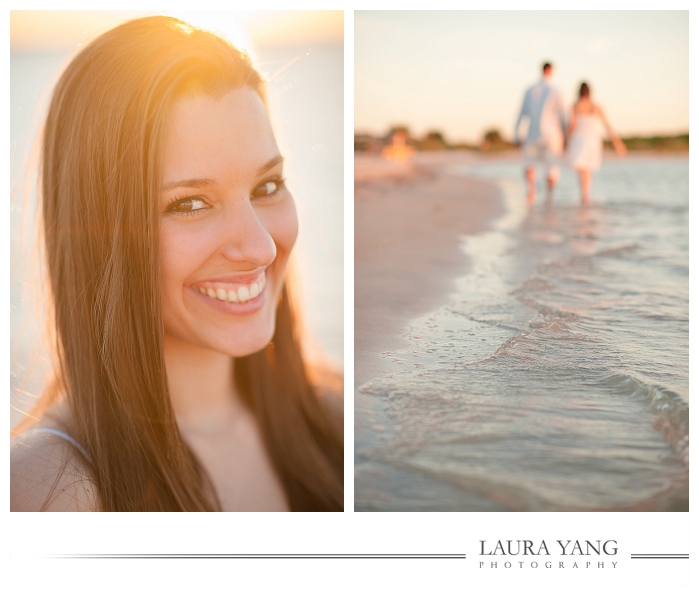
<point x="243" y="293"/>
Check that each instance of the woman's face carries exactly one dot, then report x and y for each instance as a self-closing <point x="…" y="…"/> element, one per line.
<point x="228" y="223"/>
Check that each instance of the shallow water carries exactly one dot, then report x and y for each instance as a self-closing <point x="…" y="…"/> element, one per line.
<point x="556" y="377"/>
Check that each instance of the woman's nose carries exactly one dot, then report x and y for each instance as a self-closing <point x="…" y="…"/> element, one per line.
<point x="245" y="237"/>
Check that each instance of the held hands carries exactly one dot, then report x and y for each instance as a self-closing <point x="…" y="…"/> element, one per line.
<point x="619" y="146"/>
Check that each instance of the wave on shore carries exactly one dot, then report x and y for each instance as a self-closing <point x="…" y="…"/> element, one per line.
<point x="557" y="376"/>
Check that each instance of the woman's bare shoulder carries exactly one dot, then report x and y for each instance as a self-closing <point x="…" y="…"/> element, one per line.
<point x="48" y="474"/>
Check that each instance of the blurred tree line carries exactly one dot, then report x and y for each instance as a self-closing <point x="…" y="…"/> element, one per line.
<point x="493" y="141"/>
<point x="432" y="141"/>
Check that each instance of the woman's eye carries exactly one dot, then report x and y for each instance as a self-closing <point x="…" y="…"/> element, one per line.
<point x="186" y="205"/>
<point x="268" y="188"/>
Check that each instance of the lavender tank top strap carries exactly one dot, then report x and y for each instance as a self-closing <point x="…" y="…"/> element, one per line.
<point x="62" y="435"/>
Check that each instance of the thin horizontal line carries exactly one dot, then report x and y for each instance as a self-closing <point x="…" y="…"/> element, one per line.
<point x="263" y="556"/>
<point x="659" y="554"/>
<point x="659" y="557"/>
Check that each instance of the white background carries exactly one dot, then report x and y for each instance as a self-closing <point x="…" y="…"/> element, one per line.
<point x="29" y="536"/>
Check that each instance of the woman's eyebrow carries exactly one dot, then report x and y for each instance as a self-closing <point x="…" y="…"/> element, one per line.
<point x="200" y="183"/>
<point x="192" y="183"/>
<point x="271" y="164"/>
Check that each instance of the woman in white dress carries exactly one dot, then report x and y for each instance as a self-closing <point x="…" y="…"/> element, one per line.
<point x="585" y="139"/>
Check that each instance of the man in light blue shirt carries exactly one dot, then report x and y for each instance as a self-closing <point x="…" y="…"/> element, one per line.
<point x="543" y="106"/>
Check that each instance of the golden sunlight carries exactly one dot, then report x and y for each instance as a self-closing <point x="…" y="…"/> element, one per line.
<point x="41" y="30"/>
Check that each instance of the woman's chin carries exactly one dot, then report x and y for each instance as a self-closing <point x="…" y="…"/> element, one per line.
<point x="245" y="343"/>
<point x="234" y="341"/>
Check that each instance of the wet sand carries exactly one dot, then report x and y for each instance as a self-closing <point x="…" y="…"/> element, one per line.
<point x="408" y="222"/>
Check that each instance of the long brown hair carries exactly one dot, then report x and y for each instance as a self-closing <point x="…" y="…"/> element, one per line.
<point x="100" y="176"/>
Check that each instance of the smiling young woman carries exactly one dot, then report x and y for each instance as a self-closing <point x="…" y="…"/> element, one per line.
<point x="180" y="382"/>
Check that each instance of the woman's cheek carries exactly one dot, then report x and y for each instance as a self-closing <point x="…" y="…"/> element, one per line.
<point x="180" y="253"/>
<point x="283" y="226"/>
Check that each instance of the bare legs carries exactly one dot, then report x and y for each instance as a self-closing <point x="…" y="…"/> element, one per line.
<point x="550" y="183"/>
<point x="531" y="185"/>
<point x="585" y="184"/>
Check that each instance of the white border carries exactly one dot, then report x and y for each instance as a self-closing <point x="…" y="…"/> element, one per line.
<point x="28" y="536"/>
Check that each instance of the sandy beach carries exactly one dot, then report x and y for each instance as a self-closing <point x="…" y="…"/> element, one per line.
<point x="408" y="222"/>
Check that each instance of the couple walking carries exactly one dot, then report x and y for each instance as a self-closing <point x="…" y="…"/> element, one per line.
<point x="547" y="135"/>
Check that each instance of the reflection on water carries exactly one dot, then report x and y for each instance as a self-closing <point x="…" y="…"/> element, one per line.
<point x="557" y="377"/>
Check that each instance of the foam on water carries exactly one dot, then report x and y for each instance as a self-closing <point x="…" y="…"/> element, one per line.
<point x="557" y="376"/>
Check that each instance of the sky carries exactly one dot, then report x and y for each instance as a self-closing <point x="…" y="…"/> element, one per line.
<point x="46" y="30"/>
<point x="465" y="72"/>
